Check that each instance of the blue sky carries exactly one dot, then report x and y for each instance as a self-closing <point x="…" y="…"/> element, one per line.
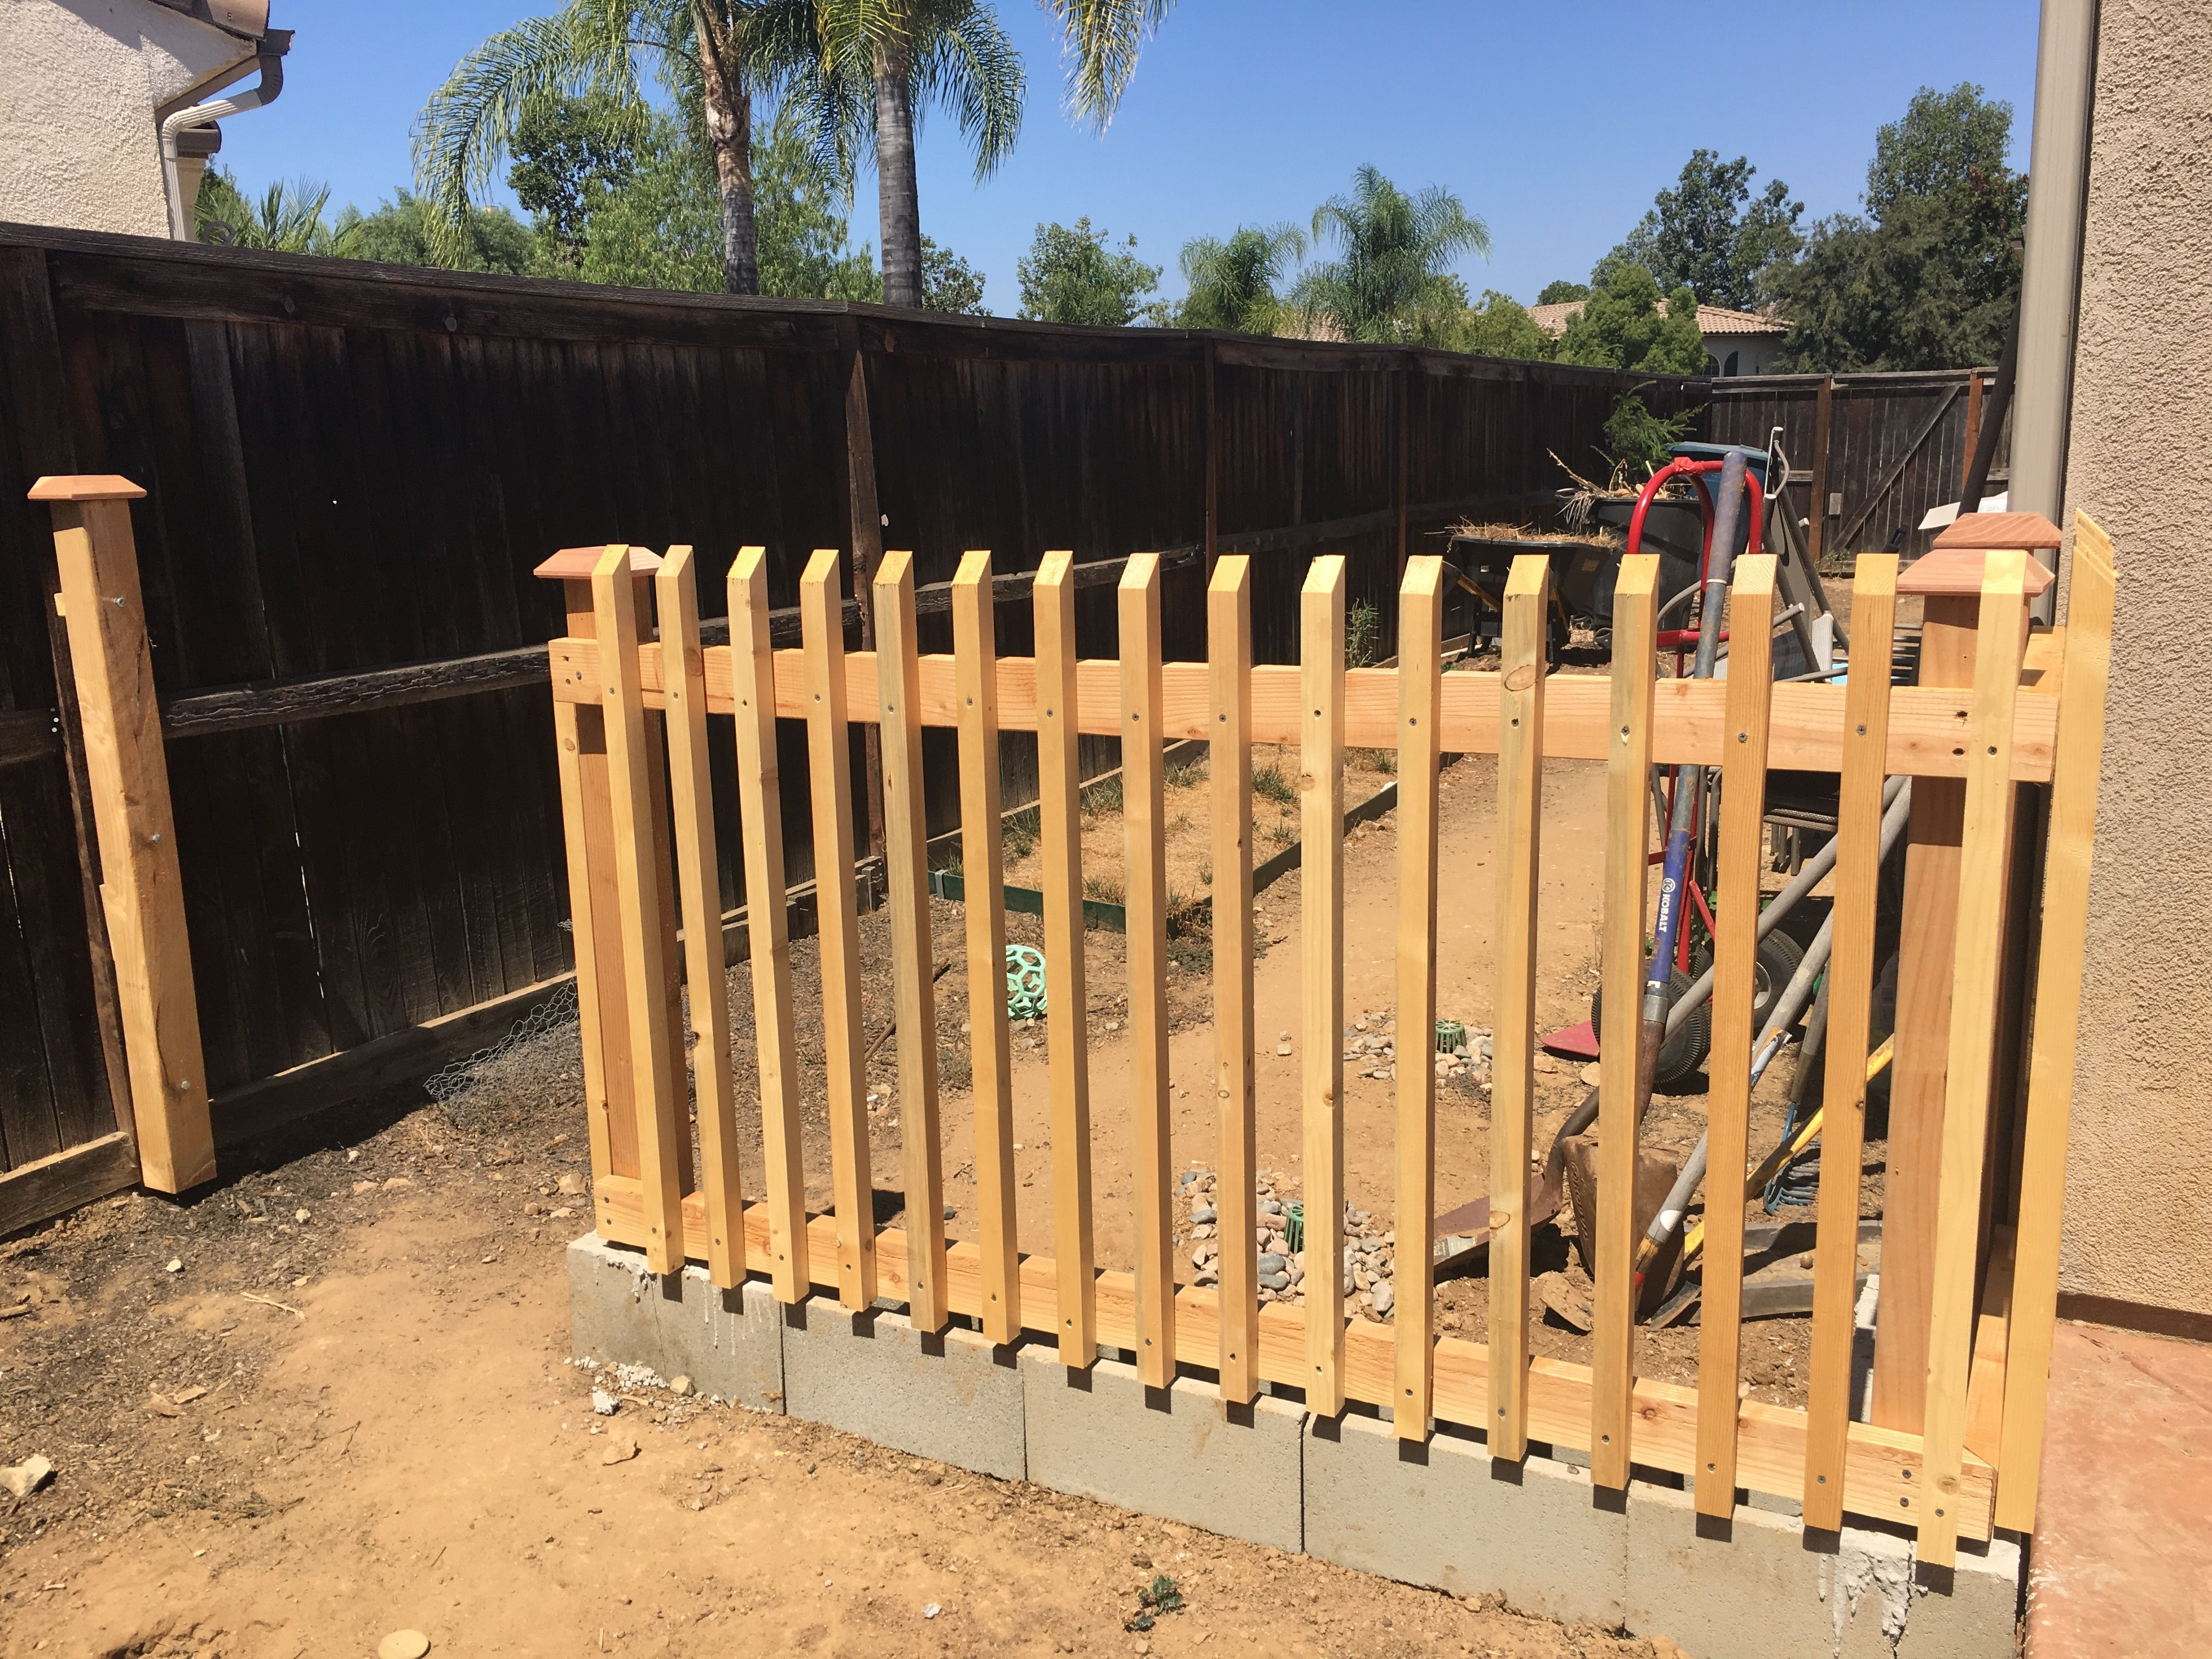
<point x="1555" y="123"/>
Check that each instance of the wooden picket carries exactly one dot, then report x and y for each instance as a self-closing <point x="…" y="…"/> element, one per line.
<point x="632" y="721"/>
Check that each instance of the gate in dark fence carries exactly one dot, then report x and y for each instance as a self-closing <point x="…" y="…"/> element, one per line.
<point x="1873" y="451"/>
<point x="351" y="471"/>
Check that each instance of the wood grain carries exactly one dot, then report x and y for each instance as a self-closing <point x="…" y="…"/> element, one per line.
<point x="1985" y="846"/>
<point x="1144" y="813"/>
<point x="1420" y="674"/>
<point x="760" y="808"/>
<point x="1850" y="1004"/>
<point x="1513" y="1044"/>
<point x="698" y="885"/>
<point x="1727" y="1103"/>
<point x="1321" y="975"/>
<point x="1627" y="838"/>
<point x="906" y="840"/>
<point x="1229" y="651"/>
<point x="829" y="785"/>
<point x="2066" y="864"/>
<point x="990" y="1047"/>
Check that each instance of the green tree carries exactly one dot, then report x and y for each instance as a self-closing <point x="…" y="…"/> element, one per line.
<point x="1929" y="278"/>
<point x="1068" y="276"/>
<point x="399" y="234"/>
<point x="1709" y="234"/>
<point x="948" y="282"/>
<point x="1622" y="325"/>
<point x="1392" y="281"/>
<point x="661" y="227"/>
<point x="566" y="150"/>
<point x="1232" y="283"/>
<point x="1562" y="292"/>
<point x="1500" y="327"/>
<point x="1635" y="437"/>
<point x="287" y="218"/>
<point x="896" y="57"/>
<point x="710" y="56"/>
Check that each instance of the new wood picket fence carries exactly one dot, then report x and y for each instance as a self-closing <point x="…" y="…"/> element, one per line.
<point x="632" y="714"/>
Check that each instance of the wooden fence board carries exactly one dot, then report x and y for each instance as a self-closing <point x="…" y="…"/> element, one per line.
<point x="1229" y="649"/>
<point x="1320" y="976"/>
<point x="1420" y="656"/>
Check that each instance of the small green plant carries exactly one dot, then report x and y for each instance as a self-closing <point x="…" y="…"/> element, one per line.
<point x="1104" y="889"/>
<point x="1384" y="761"/>
<point x="1205" y="871"/>
<point x="1636" y="438"/>
<point x="1154" y="1603"/>
<point x="1018" y="836"/>
<point x="1363" y="634"/>
<point x="1269" y="784"/>
<point x="1183" y="774"/>
<point x="1281" y="832"/>
<point x="1104" y="796"/>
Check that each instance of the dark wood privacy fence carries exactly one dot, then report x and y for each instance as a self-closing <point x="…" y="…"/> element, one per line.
<point x="351" y="470"/>
<point x="1879" y="449"/>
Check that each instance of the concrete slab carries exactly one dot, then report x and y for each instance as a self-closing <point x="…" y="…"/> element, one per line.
<point x="956" y="1397"/>
<point x="729" y="1343"/>
<point x="2125" y="1500"/>
<point x="1178" y="1452"/>
<point x="1761" y="1586"/>
<point x="1439" y="1514"/>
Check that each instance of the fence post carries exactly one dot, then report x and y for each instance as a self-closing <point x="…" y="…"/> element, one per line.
<point x="1816" y="534"/>
<point x="142" y="889"/>
<point x="1320" y="974"/>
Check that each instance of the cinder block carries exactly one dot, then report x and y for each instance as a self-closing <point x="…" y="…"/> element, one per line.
<point x="1762" y="1586"/>
<point x="1440" y="1515"/>
<point x="955" y="1397"/>
<point x="729" y="1343"/>
<point x="1178" y="1452"/>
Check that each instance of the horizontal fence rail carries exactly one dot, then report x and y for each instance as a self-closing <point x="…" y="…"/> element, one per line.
<point x="2025" y="718"/>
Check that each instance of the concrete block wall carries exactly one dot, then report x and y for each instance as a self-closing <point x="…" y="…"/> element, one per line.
<point x="1438" y="1512"/>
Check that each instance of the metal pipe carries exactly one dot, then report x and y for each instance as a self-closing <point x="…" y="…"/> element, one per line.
<point x="272" y="64"/>
<point x="2051" y="269"/>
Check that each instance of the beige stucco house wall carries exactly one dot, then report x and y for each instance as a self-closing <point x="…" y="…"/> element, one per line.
<point x="2139" y="1188"/>
<point x="83" y="84"/>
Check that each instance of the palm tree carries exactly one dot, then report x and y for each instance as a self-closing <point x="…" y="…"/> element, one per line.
<point x="910" y="53"/>
<point x="1232" y="283"/>
<point x="1397" y="250"/>
<point x="716" y="54"/>
<point x="288" y="218"/>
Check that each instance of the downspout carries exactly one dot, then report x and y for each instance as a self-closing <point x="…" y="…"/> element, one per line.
<point x="2051" y="276"/>
<point x="270" y="62"/>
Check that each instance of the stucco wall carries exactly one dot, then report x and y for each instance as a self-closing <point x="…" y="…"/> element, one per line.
<point x="80" y="81"/>
<point x="2139" y="1192"/>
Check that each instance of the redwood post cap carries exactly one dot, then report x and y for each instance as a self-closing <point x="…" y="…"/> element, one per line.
<point x="86" y="487"/>
<point x="575" y="564"/>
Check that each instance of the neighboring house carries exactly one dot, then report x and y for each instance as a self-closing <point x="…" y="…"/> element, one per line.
<point x="1737" y="341"/>
<point x="86" y="86"/>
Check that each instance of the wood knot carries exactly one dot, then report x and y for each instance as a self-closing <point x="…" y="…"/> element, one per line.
<point x="1521" y="678"/>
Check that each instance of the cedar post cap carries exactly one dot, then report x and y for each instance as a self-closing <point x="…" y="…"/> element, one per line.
<point x="86" y="487"/>
<point x="575" y="564"/>
<point x="1956" y="572"/>
<point x="1983" y="530"/>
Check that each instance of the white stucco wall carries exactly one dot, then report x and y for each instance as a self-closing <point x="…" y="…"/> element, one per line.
<point x="80" y="81"/>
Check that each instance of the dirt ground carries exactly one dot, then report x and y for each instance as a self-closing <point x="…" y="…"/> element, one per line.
<point x="411" y="1450"/>
<point x="331" y="1396"/>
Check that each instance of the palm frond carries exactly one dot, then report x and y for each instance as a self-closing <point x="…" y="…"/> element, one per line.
<point x="1100" y="40"/>
<point x="965" y="63"/>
